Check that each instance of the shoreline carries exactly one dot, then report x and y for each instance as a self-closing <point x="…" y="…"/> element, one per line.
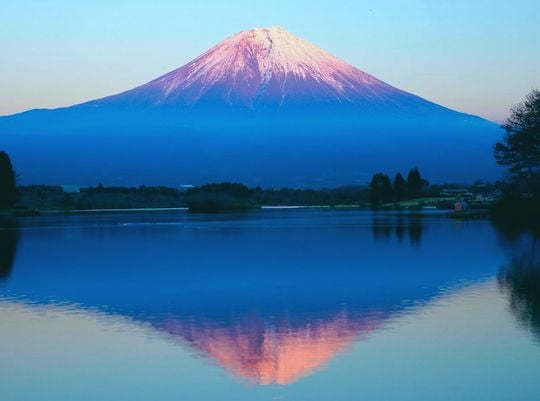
<point x="422" y="211"/>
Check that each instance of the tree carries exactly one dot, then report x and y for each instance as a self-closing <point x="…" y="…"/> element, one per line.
<point x="375" y="190"/>
<point x="386" y="189"/>
<point x="220" y="196"/>
<point x="519" y="149"/>
<point x="519" y="152"/>
<point x="400" y="188"/>
<point x="380" y="189"/>
<point x="414" y="183"/>
<point x="8" y="186"/>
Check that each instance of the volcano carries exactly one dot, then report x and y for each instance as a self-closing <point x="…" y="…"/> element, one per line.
<point x="263" y="107"/>
<point x="268" y="69"/>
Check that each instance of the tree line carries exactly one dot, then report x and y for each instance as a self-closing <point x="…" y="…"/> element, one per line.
<point x="383" y="190"/>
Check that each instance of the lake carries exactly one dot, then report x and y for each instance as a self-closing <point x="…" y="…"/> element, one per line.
<point x="300" y="304"/>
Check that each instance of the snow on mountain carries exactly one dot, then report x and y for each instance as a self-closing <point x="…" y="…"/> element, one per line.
<point x="267" y="66"/>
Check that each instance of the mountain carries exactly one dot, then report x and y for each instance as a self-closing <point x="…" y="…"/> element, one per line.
<point x="263" y="107"/>
<point x="267" y="69"/>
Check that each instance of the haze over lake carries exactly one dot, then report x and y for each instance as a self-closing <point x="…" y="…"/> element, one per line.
<point x="272" y="304"/>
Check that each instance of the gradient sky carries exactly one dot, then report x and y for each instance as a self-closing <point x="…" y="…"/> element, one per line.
<point x="478" y="56"/>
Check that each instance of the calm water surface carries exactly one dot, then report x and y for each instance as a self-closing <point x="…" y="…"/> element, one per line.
<point x="270" y="305"/>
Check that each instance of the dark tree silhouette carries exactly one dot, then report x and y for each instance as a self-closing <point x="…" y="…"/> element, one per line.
<point x="414" y="183"/>
<point x="219" y="197"/>
<point x="519" y="150"/>
<point x="380" y="189"/>
<point x="400" y="188"/>
<point x="375" y="190"/>
<point x="8" y="186"/>
<point x="386" y="189"/>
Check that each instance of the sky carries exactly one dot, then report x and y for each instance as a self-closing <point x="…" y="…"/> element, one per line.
<point x="479" y="57"/>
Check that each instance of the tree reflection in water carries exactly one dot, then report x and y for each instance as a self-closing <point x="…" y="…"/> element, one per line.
<point x="520" y="279"/>
<point x="8" y="248"/>
<point x="384" y="227"/>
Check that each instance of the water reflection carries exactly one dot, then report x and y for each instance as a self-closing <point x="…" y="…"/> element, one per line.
<point x="270" y="300"/>
<point x="402" y="226"/>
<point x="520" y="278"/>
<point x="272" y="351"/>
<point x="8" y="249"/>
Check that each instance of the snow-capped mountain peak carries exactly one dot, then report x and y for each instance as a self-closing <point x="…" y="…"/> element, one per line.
<point x="265" y="66"/>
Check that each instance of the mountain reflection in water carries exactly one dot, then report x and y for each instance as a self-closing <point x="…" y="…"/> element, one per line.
<point x="272" y="352"/>
<point x="269" y="298"/>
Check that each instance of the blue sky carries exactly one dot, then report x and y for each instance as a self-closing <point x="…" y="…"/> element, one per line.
<point x="478" y="56"/>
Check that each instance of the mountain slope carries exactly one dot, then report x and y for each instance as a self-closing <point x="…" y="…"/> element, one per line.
<point x="269" y="68"/>
<point x="263" y="107"/>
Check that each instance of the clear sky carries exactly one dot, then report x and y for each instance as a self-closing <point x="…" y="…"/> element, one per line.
<point x="477" y="56"/>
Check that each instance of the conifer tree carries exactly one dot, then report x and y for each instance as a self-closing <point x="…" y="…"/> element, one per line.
<point x="8" y="186"/>
<point x="414" y="183"/>
<point x="400" y="188"/>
